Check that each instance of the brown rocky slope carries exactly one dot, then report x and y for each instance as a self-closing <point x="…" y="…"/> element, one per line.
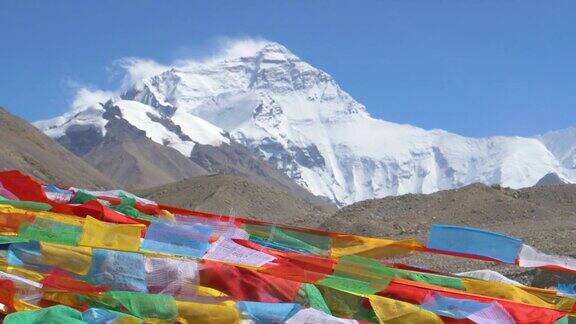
<point x="25" y="148"/>
<point x="544" y="216"/>
<point x="227" y="194"/>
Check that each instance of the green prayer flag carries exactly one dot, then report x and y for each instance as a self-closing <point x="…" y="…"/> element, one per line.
<point x="81" y="197"/>
<point x="59" y="314"/>
<point x="43" y="230"/>
<point x="126" y="207"/>
<point x="354" y="286"/>
<point x="342" y="304"/>
<point x="146" y="306"/>
<point x="6" y="239"/>
<point x="310" y="296"/>
<point x="290" y="239"/>
<point x="25" y="204"/>
<point x="356" y="266"/>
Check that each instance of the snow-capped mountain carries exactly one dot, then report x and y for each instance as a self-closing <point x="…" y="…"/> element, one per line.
<point x="562" y="143"/>
<point x="297" y="118"/>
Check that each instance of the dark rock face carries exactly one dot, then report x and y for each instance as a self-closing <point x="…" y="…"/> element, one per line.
<point x="309" y="156"/>
<point x="80" y="139"/>
<point x="169" y="124"/>
<point x="147" y="97"/>
<point x="550" y="179"/>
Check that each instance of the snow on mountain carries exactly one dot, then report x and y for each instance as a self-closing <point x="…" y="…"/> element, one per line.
<point x="181" y="132"/>
<point x="562" y="143"/>
<point x="193" y="129"/>
<point x="89" y="116"/>
<point x="297" y="118"/>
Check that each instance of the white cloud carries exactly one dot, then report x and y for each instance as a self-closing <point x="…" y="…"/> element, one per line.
<point x="133" y="70"/>
<point x="86" y="97"/>
<point x="137" y="69"/>
<point x="227" y="48"/>
<point x="236" y="48"/>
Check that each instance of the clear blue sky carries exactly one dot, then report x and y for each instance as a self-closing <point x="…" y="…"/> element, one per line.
<point x="475" y="67"/>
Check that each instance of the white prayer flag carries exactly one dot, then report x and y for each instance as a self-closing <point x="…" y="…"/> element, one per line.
<point x="226" y="250"/>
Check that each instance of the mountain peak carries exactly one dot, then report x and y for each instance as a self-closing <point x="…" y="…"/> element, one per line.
<point x="296" y="117"/>
<point x="247" y="51"/>
<point x="274" y="47"/>
<point x="551" y="179"/>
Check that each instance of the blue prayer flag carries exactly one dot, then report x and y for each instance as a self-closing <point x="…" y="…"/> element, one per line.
<point x="268" y="312"/>
<point x="474" y="241"/>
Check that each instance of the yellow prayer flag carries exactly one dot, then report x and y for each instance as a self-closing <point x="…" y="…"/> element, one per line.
<point x="166" y="215"/>
<point x="371" y="247"/>
<point x="21" y="272"/>
<point x="222" y="313"/>
<point x="65" y="298"/>
<point x="76" y="259"/>
<point x="61" y="218"/>
<point x="123" y="237"/>
<point x="392" y="311"/>
<point x="209" y="292"/>
<point x="127" y="320"/>
<point x="531" y="296"/>
<point x="20" y="305"/>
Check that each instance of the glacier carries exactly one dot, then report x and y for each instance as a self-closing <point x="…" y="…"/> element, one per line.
<point x="297" y="118"/>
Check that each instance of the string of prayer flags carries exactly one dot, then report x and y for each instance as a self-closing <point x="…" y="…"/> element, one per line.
<point x="69" y="255"/>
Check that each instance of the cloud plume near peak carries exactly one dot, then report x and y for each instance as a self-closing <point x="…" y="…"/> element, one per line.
<point x="86" y="97"/>
<point x="136" y="69"/>
<point x="133" y="70"/>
